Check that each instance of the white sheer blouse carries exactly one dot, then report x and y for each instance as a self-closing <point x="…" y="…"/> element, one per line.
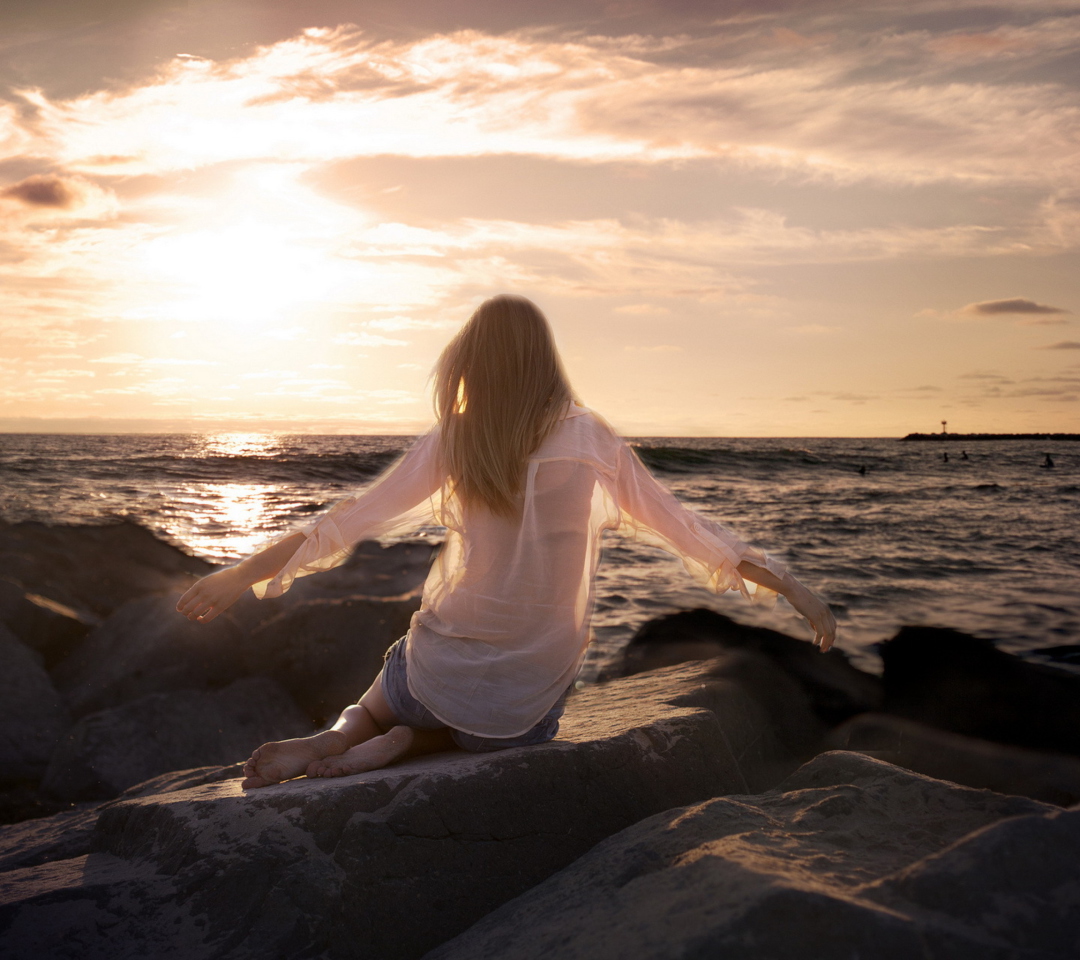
<point x="504" y="620"/>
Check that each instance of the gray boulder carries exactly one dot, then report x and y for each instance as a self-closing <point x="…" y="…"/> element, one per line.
<point x="45" y="625"/>
<point x="327" y="652"/>
<point x="1050" y="777"/>
<point x="147" y="647"/>
<point x="835" y="689"/>
<point x="954" y="681"/>
<point x="32" y="715"/>
<point x="396" y="571"/>
<point x="70" y="833"/>
<point x="850" y="857"/>
<point x="107" y="752"/>
<point x="94" y="568"/>
<point x="391" y="863"/>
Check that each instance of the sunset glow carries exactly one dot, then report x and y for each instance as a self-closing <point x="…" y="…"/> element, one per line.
<point x="822" y="220"/>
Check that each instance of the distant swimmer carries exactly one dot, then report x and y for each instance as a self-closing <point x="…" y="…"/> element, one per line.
<point x="945" y="457"/>
<point x="1048" y="462"/>
<point x="963" y="455"/>
<point x="862" y="470"/>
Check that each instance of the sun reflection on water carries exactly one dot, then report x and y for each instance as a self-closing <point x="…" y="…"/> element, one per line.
<point x="226" y="521"/>
<point x="238" y="445"/>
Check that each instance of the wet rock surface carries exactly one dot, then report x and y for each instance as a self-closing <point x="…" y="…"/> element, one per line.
<point x="850" y="857"/>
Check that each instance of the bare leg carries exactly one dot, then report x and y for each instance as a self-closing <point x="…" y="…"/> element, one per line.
<point x="285" y="759"/>
<point x="398" y="743"/>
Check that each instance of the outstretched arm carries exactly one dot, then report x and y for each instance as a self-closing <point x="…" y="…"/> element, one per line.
<point x="713" y="554"/>
<point x="215" y="593"/>
<point x="396" y="501"/>
<point x="806" y="603"/>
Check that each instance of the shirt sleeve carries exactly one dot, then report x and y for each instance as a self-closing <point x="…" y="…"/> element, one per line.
<point x="650" y="513"/>
<point x="402" y="499"/>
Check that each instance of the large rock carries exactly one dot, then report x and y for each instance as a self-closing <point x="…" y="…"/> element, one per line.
<point x="836" y="690"/>
<point x="396" y="571"/>
<point x="855" y="858"/>
<point x="1050" y="777"/>
<point x="45" y="625"/>
<point x="147" y="647"/>
<point x="70" y="833"/>
<point x="964" y="684"/>
<point x="326" y="653"/>
<point x="32" y="716"/>
<point x="94" y="569"/>
<point x="387" y="864"/>
<point x="107" y="752"/>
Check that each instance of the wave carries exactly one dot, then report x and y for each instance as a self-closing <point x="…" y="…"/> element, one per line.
<point x="671" y="459"/>
<point x="280" y="468"/>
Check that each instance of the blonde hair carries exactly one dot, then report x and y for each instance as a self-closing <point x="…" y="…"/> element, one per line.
<point x="500" y="388"/>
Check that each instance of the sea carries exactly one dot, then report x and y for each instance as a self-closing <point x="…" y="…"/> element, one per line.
<point x="889" y="532"/>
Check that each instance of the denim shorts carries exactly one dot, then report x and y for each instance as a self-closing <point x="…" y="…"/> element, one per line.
<point x="410" y="712"/>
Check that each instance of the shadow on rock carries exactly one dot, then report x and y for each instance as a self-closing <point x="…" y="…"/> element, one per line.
<point x="834" y="688"/>
<point x="326" y="653"/>
<point x="964" y="684"/>
<point x="850" y="857"/>
<point x="94" y="569"/>
<point x="110" y="751"/>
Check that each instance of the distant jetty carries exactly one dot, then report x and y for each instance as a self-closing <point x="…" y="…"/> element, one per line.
<point x="972" y="437"/>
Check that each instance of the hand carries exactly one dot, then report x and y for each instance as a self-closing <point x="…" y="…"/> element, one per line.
<point x="809" y="605"/>
<point x="213" y="594"/>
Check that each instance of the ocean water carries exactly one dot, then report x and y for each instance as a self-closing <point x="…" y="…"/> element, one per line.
<point x="987" y="545"/>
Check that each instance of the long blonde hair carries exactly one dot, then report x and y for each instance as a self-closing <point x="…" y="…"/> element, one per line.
<point x="500" y="388"/>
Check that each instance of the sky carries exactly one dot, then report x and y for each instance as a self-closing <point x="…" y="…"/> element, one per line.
<point x="789" y="218"/>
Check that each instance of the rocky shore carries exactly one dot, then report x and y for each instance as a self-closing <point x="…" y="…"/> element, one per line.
<point x="726" y="790"/>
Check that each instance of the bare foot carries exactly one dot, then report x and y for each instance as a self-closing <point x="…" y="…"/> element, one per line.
<point x="285" y="759"/>
<point x="373" y="754"/>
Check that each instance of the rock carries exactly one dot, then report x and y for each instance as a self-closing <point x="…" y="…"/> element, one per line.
<point x="32" y="716"/>
<point x="70" y="833"/>
<point x="786" y="711"/>
<point x="326" y="653"/>
<point x="396" y="571"/>
<point x="391" y="863"/>
<point x="836" y="689"/>
<point x="94" y="569"/>
<point x="961" y="683"/>
<point x="1050" y="777"/>
<point x="147" y="647"/>
<point x="851" y="857"/>
<point x="107" y="752"/>
<point x="45" y="625"/>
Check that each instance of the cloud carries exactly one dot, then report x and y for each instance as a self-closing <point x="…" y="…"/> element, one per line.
<point x="1013" y="305"/>
<point x="1062" y="345"/>
<point x="828" y="108"/>
<point x="353" y="339"/>
<point x="43" y="190"/>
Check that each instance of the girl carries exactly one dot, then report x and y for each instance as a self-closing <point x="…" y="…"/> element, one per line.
<point x="525" y="480"/>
